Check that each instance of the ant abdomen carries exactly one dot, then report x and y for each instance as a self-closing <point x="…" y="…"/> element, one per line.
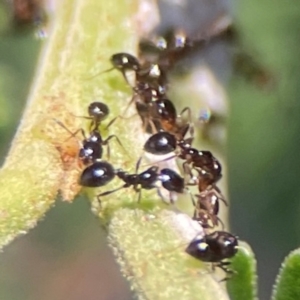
<point x="161" y="143"/>
<point x="172" y="181"/>
<point x="98" y="174"/>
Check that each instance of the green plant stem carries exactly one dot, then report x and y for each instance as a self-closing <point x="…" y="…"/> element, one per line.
<point x="43" y="158"/>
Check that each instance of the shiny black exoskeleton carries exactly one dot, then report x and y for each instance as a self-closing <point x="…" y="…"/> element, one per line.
<point x="91" y="148"/>
<point x="123" y="62"/>
<point x="161" y="143"/>
<point x="171" y="181"/>
<point x="98" y="112"/>
<point x="98" y="174"/>
<point x="214" y="248"/>
<point x="148" y="179"/>
<point x="145" y="180"/>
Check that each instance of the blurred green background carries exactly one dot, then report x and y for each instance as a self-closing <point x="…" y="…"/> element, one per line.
<point x="65" y="257"/>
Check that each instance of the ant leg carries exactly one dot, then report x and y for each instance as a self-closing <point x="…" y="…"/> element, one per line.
<point x="138" y="163"/>
<point x="111" y="122"/>
<point x="108" y="193"/>
<point x="106" y="142"/>
<point x="221" y="196"/>
<point x="160" y="161"/>
<point x="222" y="223"/>
<point x="223" y="265"/>
<point x="139" y="191"/>
<point x="129" y="104"/>
<point x="191" y="124"/>
<point x="192" y="198"/>
<point x="153" y="127"/>
<point x="188" y="172"/>
<point x="97" y="74"/>
<point x="72" y="134"/>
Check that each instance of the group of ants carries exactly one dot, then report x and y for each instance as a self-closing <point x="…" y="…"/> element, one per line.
<point x="168" y="131"/>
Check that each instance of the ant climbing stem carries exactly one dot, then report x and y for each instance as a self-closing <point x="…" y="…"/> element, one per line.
<point x="214" y="248"/>
<point x="97" y="113"/>
<point x="122" y="62"/>
<point x="92" y="146"/>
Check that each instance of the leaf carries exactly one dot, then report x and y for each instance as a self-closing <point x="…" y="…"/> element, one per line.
<point x="287" y="285"/>
<point x="243" y="284"/>
<point x="43" y="159"/>
<point x="150" y="250"/>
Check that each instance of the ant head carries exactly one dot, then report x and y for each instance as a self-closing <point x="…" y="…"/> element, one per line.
<point x="98" y="110"/>
<point x="161" y="143"/>
<point x="124" y="61"/>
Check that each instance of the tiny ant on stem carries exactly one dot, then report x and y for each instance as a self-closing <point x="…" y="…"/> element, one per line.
<point x="214" y="248"/>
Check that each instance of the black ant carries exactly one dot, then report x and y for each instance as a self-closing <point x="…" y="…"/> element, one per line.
<point x="100" y="173"/>
<point x="125" y="62"/>
<point x="214" y="248"/>
<point x="97" y="113"/>
<point x="92" y="146"/>
<point x="148" y="179"/>
<point x="156" y="109"/>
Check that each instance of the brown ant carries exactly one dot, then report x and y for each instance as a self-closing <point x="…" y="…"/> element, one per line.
<point x="207" y="208"/>
<point x="156" y="109"/>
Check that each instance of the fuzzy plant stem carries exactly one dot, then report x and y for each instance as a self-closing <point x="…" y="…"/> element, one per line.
<point x="43" y="159"/>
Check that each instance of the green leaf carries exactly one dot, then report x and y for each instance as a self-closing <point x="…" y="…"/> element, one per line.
<point x="287" y="285"/>
<point x="43" y="160"/>
<point x="150" y="250"/>
<point x="243" y="284"/>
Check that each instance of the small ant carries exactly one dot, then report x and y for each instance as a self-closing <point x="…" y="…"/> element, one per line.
<point x="154" y="108"/>
<point x="92" y="146"/>
<point x="214" y="248"/>
<point x="101" y="172"/>
<point x="148" y="179"/>
<point x="97" y="113"/>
